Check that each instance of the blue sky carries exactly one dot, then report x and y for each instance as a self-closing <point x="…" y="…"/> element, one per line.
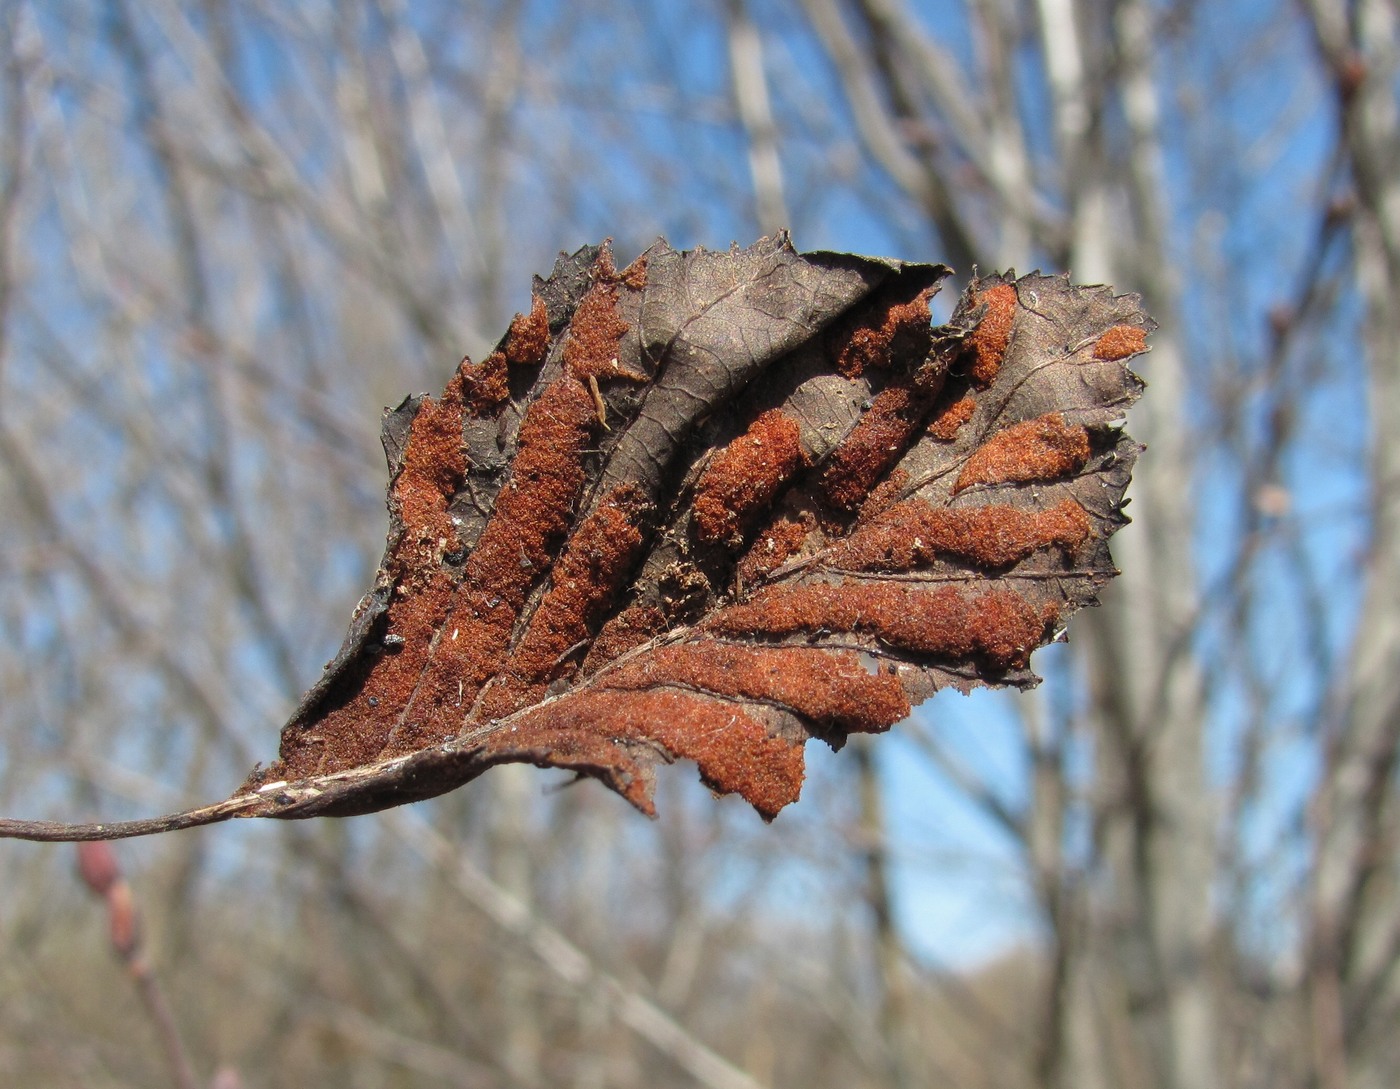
<point x="1247" y="134"/>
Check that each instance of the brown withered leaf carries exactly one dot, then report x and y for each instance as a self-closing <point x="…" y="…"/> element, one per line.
<point x="708" y="507"/>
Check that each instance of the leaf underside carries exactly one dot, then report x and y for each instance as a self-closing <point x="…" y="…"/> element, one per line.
<point x="708" y="507"/>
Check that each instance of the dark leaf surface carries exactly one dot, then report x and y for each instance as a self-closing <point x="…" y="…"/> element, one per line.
<point x="709" y="507"/>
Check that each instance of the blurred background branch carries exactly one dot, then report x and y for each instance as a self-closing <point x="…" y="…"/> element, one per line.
<point x="231" y="231"/>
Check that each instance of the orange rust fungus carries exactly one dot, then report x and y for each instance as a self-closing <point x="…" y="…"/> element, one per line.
<point x="949" y="420"/>
<point x="355" y="731"/>
<point x="595" y="565"/>
<point x="999" y="626"/>
<point x="352" y="733"/>
<point x="743" y="478"/>
<point x="771" y="549"/>
<point x="514" y="553"/>
<point x="881" y="331"/>
<point x="914" y="534"/>
<point x="1120" y="342"/>
<point x="1042" y="449"/>
<point x="886" y="493"/>
<point x="591" y="346"/>
<point x="626" y="631"/>
<point x="733" y="750"/>
<point x="830" y="688"/>
<point x="873" y="445"/>
<point x="485" y="386"/>
<point x="993" y="333"/>
<point x="527" y="340"/>
<point x="434" y="466"/>
<point x="634" y="276"/>
<point x="534" y="509"/>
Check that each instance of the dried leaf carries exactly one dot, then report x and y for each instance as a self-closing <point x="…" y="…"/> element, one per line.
<point x="712" y="506"/>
